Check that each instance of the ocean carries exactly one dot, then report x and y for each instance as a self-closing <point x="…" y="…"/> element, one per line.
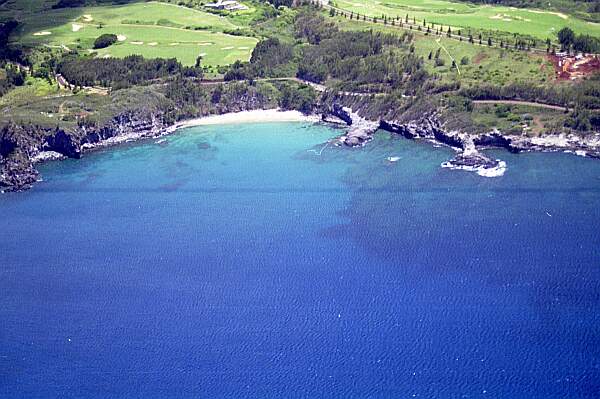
<point x="253" y="261"/>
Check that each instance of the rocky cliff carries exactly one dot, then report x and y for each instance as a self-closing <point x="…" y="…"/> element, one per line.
<point x="430" y="127"/>
<point x="21" y="147"/>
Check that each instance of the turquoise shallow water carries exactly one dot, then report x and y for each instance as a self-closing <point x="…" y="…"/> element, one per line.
<point x="231" y="262"/>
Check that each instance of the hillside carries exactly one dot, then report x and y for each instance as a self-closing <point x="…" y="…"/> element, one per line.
<point x="413" y="80"/>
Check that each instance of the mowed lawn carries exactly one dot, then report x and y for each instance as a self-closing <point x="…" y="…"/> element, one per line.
<point x="537" y="23"/>
<point x="148" y="29"/>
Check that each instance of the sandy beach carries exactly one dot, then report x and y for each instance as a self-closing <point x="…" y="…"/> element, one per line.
<point x="268" y="115"/>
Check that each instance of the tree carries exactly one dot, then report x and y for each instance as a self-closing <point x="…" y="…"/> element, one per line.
<point x="302" y="98"/>
<point x="105" y="40"/>
<point x="579" y="120"/>
<point x="216" y="94"/>
<point x="566" y="37"/>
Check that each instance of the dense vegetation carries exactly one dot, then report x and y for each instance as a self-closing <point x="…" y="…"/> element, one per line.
<point x="120" y="73"/>
<point x="270" y="58"/>
<point x="12" y="77"/>
<point x="80" y="3"/>
<point x="370" y="61"/>
<point x="586" y="94"/>
<point x="571" y="41"/>
<point x="361" y="60"/>
<point x="8" y="52"/>
<point x="105" y="40"/>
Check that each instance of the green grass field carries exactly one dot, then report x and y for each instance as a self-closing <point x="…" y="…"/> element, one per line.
<point x="485" y="65"/>
<point x="150" y="29"/>
<point x="535" y="23"/>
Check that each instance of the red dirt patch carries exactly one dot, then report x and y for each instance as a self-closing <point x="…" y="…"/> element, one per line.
<point x="574" y="67"/>
<point x="479" y="57"/>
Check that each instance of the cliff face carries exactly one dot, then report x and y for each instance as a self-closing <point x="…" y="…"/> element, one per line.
<point x="16" y="168"/>
<point x="20" y="146"/>
<point x="428" y="126"/>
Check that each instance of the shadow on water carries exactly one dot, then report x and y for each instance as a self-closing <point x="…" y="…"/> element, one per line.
<point x="530" y="233"/>
<point x="173" y="186"/>
<point x="540" y="233"/>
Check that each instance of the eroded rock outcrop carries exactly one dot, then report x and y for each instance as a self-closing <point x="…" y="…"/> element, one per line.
<point x="20" y="148"/>
<point x="471" y="160"/>
<point x="63" y="143"/>
<point x="360" y="130"/>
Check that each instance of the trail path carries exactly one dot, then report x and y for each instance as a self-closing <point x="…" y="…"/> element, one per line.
<point x="518" y="102"/>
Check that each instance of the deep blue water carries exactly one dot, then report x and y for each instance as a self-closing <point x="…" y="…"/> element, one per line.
<point x="230" y="262"/>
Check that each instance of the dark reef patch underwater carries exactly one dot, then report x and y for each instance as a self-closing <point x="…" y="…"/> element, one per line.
<point x="232" y="262"/>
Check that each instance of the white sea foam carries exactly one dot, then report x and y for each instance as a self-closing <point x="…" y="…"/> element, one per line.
<point x="496" y="171"/>
<point x="47" y="156"/>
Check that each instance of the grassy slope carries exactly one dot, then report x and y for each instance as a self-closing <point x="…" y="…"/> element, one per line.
<point x="536" y="120"/>
<point x="486" y="65"/>
<point x="492" y="65"/>
<point x="541" y="24"/>
<point x="161" y="28"/>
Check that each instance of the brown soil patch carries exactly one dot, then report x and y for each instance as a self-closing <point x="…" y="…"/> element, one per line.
<point x="571" y="68"/>
<point x="479" y="57"/>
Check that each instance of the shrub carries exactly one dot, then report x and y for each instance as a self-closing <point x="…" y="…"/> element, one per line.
<point x="464" y="61"/>
<point x="439" y="62"/>
<point x="105" y="40"/>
